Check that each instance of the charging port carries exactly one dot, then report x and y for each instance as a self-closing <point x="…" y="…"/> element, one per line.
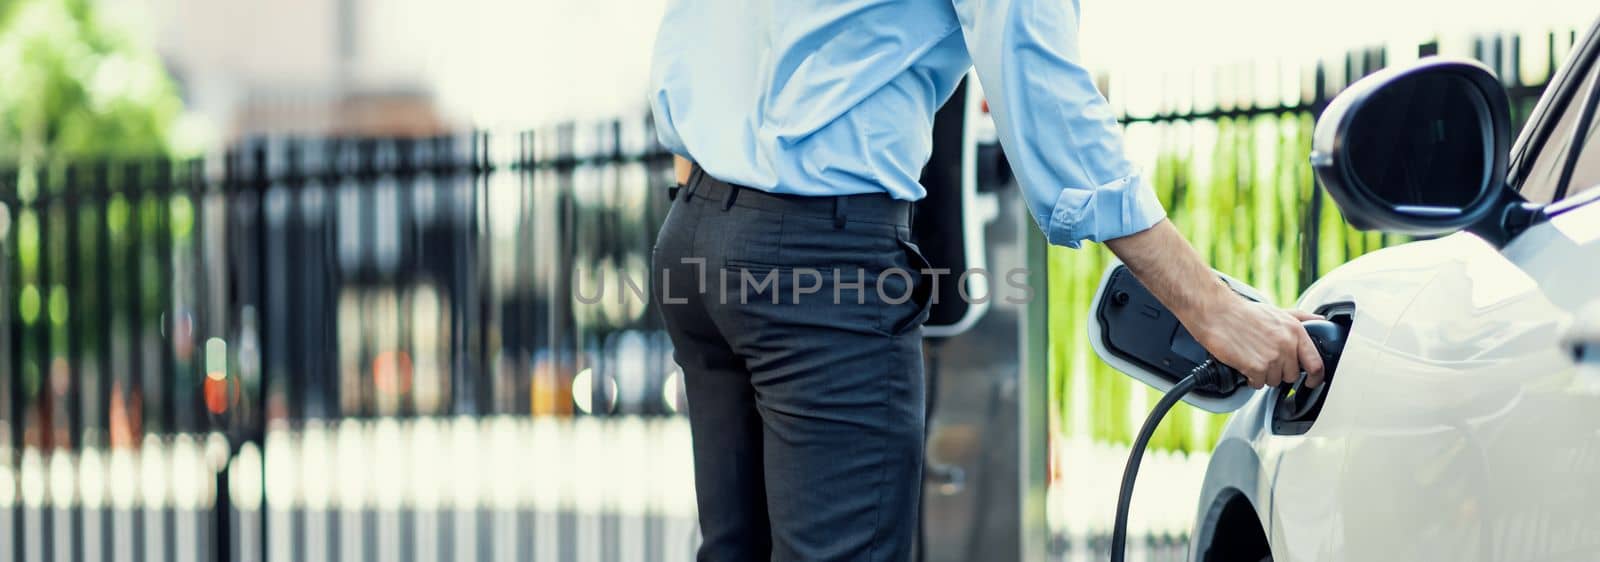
<point x="1295" y="407"/>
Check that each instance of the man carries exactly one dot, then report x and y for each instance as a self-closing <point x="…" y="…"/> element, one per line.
<point x="807" y="123"/>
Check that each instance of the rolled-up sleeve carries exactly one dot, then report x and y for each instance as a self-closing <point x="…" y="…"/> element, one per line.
<point x="1059" y="134"/>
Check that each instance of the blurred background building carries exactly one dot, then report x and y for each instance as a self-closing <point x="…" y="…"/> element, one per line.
<point x="400" y="67"/>
<point x="362" y="279"/>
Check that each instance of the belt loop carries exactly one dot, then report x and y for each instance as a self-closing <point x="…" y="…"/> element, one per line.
<point x="838" y="212"/>
<point x="733" y="193"/>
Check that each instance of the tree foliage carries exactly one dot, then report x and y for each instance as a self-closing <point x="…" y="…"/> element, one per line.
<point x="76" y="84"/>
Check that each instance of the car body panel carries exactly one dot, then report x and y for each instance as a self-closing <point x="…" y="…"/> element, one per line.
<point x="1301" y="475"/>
<point x="1460" y="425"/>
<point x="1234" y="468"/>
<point x="1459" y="428"/>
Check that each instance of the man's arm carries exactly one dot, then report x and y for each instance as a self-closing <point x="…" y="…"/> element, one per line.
<point x="1065" y="145"/>
<point x="1060" y="136"/>
<point x="1266" y="344"/>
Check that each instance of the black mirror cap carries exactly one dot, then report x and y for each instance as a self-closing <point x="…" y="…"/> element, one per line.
<point x="1362" y="208"/>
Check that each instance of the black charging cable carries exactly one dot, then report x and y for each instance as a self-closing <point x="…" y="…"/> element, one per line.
<point x="1209" y="374"/>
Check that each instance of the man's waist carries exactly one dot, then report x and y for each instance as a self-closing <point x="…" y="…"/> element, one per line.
<point x="867" y="207"/>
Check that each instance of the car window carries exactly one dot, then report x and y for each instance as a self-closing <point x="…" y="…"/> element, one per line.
<point x="1540" y="186"/>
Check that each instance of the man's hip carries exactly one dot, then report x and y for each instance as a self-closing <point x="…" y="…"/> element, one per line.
<point x="808" y="311"/>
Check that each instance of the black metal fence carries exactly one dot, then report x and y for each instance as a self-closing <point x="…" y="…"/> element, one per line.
<point x="164" y="319"/>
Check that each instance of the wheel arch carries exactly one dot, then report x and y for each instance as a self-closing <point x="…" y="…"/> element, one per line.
<point x="1229" y="523"/>
<point x="1230" y="529"/>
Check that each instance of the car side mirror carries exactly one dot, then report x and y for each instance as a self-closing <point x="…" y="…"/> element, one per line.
<point x="1134" y="333"/>
<point x="1419" y="149"/>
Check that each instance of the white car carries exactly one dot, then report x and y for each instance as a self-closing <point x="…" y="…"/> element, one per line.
<point x="1462" y="422"/>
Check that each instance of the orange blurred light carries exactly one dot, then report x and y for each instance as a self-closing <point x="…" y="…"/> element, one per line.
<point x="391" y="372"/>
<point x="126" y="412"/>
<point x="216" y="391"/>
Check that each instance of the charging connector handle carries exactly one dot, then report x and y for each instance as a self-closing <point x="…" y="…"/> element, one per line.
<point x="1214" y="376"/>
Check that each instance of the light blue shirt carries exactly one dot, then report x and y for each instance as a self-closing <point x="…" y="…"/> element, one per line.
<point x="836" y="97"/>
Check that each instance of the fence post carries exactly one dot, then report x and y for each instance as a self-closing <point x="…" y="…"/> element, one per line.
<point x="99" y="194"/>
<point x="11" y="336"/>
<point x="254" y="180"/>
<point x="166" y="320"/>
<point x="74" y="395"/>
<point x="1311" y="219"/>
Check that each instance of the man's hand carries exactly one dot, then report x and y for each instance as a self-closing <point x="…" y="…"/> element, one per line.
<point x="1265" y="344"/>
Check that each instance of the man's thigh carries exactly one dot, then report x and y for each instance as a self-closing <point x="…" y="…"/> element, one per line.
<point x="843" y="449"/>
<point x="839" y="383"/>
<point x="723" y="419"/>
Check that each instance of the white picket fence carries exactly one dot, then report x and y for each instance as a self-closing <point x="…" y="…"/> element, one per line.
<point x="494" y="489"/>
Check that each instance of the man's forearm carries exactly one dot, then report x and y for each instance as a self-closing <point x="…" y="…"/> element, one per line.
<point x="1265" y="344"/>
<point x="1165" y="262"/>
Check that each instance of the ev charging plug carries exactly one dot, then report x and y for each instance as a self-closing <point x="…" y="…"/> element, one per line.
<point x="1329" y="339"/>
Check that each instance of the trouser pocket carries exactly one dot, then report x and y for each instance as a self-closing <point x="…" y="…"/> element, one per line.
<point x="913" y="311"/>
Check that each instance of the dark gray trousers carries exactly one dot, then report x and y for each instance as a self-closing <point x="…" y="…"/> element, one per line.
<point x="798" y="324"/>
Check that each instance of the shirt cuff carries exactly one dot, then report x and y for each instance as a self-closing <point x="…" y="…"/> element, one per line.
<point x="1119" y="208"/>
